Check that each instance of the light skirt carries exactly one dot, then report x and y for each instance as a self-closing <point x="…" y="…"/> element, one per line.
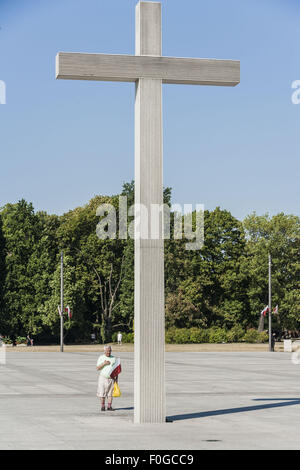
<point x="105" y="387"/>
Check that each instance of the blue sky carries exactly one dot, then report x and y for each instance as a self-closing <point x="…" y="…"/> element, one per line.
<point x="62" y="142"/>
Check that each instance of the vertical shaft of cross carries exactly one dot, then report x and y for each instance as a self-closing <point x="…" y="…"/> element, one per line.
<point x="149" y="324"/>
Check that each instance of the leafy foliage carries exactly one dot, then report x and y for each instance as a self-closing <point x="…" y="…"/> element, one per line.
<point x="213" y="294"/>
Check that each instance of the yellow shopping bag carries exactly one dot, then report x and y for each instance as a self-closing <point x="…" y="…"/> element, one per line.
<point x="117" y="391"/>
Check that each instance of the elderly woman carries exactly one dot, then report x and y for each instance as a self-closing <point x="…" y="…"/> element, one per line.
<point x="105" y="383"/>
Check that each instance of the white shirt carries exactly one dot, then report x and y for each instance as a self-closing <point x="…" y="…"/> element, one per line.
<point x="106" y="370"/>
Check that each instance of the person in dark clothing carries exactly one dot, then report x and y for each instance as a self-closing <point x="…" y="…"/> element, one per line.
<point x="273" y="339"/>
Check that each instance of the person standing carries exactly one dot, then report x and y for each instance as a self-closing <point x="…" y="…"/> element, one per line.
<point x="13" y="340"/>
<point x="105" y="388"/>
<point x="119" y="338"/>
<point x="273" y="341"/>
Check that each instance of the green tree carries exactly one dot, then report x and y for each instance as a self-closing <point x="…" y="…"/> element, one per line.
<point x="3" y="320"/>
<point x="97" y="264"/>
<point x="41" y="266"/>
<point x="22" y="231"/>
<point x="209" y="280"/>
<point x="280" y="236"/>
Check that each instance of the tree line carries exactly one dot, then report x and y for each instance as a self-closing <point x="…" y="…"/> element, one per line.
<point x="225" y="284"/>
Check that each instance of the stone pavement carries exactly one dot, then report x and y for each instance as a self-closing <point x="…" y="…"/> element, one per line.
<point x="247" y="400"/>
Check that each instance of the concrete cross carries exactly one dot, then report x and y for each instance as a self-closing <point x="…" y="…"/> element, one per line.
<point x="148" y="70"/>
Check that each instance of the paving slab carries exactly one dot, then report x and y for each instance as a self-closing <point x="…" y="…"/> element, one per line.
<point x="215" y="400"/>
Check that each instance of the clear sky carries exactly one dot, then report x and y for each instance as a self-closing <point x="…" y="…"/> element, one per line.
<point x="62" y="142"/>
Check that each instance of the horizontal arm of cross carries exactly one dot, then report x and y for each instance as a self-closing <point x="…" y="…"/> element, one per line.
<point x="127" y="68"/>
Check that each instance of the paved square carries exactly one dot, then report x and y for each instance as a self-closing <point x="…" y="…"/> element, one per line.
<point x="245" y="400"/>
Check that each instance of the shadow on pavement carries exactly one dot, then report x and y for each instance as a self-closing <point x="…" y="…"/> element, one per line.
<point x="129" y="408"/>
<point x="204" y="414"/>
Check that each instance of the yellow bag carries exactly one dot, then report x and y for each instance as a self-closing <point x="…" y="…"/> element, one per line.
<point x="117" y="391"/>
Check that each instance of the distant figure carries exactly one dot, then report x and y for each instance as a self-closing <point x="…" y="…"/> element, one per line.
<point x="273" y="340"/>
<point x="119" y="338"/>
<point x="28" y="340"/>
<point x="13" y="340"/>
<point x="93" y="337"/>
